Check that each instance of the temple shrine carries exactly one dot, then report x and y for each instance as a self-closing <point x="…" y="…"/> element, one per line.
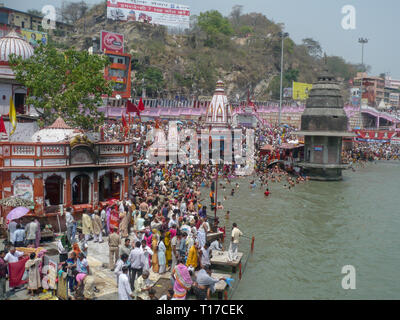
<point x="324" y="124"/>
<point x="61" y="167"/>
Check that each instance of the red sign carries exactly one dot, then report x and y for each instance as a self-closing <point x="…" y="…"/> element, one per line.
<point x="374" y="135"/>
<point x="111" y="41"/>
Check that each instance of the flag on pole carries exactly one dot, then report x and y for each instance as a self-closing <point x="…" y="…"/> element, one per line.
<point x="130" y="107"/>
<point x="124" y="121"/>
<point x="3" y="130"/>
<point x="13" y="116"/>
<point x="141" y="105"/>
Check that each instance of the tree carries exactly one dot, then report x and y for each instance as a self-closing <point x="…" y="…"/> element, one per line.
<point x="153" y="81"/>
<point x="236" y="13"/>
<point x="275" y="85"/>
<point x="73" y="11"/>
<point x="214" y="25"/>
<point x="69" y="84"/>
<point x="313" y="47"/>
<point x="340" y="68"/>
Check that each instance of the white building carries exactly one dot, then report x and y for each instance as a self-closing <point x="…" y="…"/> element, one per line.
<point x="12" y="43"/>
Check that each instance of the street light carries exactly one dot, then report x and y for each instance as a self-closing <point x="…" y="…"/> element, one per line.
<point x="363" y="41"/>
<point x="283" y="36"/>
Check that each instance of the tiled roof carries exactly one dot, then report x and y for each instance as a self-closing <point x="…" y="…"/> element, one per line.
<point x="59" y="124"/>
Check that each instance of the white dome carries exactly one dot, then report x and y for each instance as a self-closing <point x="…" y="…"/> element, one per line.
<point x="59" y="131"/>
<point x="54" y="135"/>
<point x="13" y="43"/>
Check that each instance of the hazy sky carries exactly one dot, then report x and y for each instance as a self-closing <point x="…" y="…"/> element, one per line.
<point x="319" y="19"/>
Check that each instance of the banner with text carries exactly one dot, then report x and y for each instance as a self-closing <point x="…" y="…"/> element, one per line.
<point x="155" y="12"/>
<point x="301" y="90"/>
<point x="111" y="41"/>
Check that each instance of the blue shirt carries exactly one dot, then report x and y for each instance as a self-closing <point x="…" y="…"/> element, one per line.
<point x="19" y="235"/>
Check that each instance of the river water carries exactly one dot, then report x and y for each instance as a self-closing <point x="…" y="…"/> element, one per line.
<point x="304" y="236"/>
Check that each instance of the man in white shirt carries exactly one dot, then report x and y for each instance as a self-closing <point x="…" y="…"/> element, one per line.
<point x="124" y="288"/>
<point x="13" y="255"/>
<point x="103" y="217"/>
<point x="12" y="227"/>
<point x="69" y="221"/>
<point x="216" y="245"/>
<point x="146" y="250"/>
<point x="123" y="261"/>
<point x="234" y="246"/>
<point x="173" y="221"/>
<point x="205" y="255"/>
<point x="136" y="259"/>
<point x="31" y="230"/>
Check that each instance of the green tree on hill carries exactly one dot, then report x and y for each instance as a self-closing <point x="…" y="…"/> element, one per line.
<point x="69" y="84"/>
<point x="153" y="81"/>
<point x="215" y="26"/>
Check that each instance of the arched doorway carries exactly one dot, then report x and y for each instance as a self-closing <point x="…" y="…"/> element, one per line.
<point x="54" y="194"/>
<point x="110" y="186"/>
<point x="80" y="189"/>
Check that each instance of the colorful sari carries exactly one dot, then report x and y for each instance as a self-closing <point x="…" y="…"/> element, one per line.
<point x="114" y="219"/>
<point x="183" y="281"/>
<point x="154" y="258"/>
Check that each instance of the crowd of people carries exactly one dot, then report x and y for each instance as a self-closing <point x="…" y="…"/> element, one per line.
<point x="163" y="225"/>
<point x="367" y="151"/>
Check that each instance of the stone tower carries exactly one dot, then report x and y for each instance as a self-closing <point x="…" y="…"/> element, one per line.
<point x="323" y="124"/>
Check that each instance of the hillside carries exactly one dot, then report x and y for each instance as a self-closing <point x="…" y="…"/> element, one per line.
<point x="242" y="49"/>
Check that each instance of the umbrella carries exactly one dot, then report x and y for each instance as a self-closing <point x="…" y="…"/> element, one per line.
<point x="179" y="122"/>
<point x="16" y="202"/>
<point x="17" y="213"/>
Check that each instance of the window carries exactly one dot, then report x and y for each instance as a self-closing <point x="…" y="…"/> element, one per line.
<point x="23" y="24"/>
<point x="120" y="60"/>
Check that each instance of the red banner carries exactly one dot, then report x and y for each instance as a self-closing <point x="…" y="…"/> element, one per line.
<point x="376" y="135"/>
<point x="112" y="41"/>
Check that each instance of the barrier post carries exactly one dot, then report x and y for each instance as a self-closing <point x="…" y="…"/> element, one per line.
<point x="252" y="244"/>
<point x="240" y="271"/>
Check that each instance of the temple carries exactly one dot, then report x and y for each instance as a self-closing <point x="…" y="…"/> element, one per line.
<point x="219" y="111"/>
<point x="61" y="167"/>
<point x="324" y="124"/>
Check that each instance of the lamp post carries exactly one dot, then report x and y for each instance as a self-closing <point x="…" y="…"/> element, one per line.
<point x="363" y="41"/>
<point x="283" y="35"/>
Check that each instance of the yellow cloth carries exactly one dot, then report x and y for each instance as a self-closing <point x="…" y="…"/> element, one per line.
<point x="192" y="257"/>
<point x="87" y="224"/>
<point x="12" y="115"/>
<point x="168" y="251"/>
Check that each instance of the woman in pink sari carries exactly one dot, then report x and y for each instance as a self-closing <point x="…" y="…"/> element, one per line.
<point x="183" y="280"/>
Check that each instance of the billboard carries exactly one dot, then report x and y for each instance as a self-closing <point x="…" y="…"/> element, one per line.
<point x="156" y="12"/>
<point x="34" y="37"/>
<point x="287" y="92"/>
<point x="111" y="41"/>
<point x="301" y="90"/>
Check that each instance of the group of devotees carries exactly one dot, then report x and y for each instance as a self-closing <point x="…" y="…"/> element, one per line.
<point x="161" y="229"/>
